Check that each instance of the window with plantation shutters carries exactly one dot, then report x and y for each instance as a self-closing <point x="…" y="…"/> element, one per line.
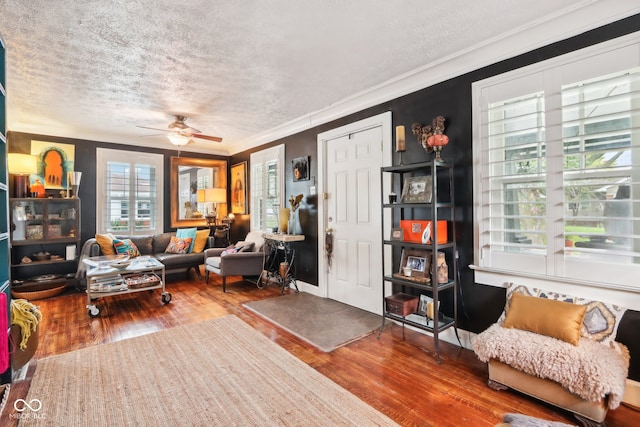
<point x="130" y="192"/>
<point x="557" y="168"/>
<point x="267" y="187"/>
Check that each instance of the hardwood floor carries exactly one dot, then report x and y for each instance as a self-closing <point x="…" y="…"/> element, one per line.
<point x="397" y="374"/>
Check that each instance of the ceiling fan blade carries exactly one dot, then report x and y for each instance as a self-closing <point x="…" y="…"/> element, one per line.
<point x="161" y="130"/>
<point x="207" y="137"/>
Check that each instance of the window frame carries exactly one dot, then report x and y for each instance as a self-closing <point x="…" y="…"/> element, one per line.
<point x="492" y="267"/>
<point x="132" y="158"/>
<point x="259" y="177"/>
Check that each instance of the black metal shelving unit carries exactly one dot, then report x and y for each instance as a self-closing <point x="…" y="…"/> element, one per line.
<point x="441" y="207"/>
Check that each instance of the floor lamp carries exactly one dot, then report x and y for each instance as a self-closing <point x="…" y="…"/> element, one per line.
<point x="21" y="166"/>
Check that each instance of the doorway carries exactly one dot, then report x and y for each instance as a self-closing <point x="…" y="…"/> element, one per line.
<point x="350" y="158"/>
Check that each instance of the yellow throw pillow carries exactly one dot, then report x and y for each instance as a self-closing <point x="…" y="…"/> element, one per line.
<point x="201" y="240"/>
<point x="557" y="319"/>
<point x="106" y="243"/>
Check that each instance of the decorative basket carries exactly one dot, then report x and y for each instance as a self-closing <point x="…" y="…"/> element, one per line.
<point x="141" y="280"/>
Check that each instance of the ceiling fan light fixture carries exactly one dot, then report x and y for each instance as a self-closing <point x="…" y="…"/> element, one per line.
<point x="177" y="139"/>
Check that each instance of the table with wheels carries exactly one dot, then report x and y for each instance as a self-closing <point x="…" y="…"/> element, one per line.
<point x="116" y="275"/>
<point x="280" y="260"/>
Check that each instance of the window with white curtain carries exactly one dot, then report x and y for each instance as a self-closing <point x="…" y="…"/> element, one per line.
<point x="557" y="167"/>
<point x="129" y="188"/>
<point x="267" y="187"/>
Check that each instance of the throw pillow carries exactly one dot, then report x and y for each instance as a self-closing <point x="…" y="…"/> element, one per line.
<point x="179" y="245"/>
<point x="229" y="250"/>
<point x="245" y="246"/>
<point x="600" y="321"/>
<point x="188" y="232"/>
<point x="557" y="319"/>
<point x="201" y="240"/>
<point x="126" y="246"/>
<point x="106" y="243"/>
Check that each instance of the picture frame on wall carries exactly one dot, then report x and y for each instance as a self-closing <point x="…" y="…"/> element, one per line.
<point x="239" y="188"/>
<point x="416" y="189"/>
<point x="300" y="168"/>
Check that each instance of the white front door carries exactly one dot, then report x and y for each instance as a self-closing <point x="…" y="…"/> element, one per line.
<point x="352" y="209"/>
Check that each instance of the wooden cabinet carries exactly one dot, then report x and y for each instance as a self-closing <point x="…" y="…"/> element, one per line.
<point x="422" y="248"/>
<point x="45" y="240"/>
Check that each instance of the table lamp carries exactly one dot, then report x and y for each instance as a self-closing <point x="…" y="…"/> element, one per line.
<point x="21" y="166"/>
<point x="215" y="196"/>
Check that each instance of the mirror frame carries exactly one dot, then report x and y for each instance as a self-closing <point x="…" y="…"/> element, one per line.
<point x="176" y="162"/>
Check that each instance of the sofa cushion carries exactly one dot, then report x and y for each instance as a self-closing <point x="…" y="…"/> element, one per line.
<point x="557" y="319"/>
<point x="171" y="261"/>
<point x="126" y="246"/>
<point x="143" y="243"/>
<point x="202" y="237"/>
<point x="179" y="245"/>
<point x="161" y="241"/>
<point x="257" y="239"/>
<point x="106" y="243"/>
<point x="185" y="233"/>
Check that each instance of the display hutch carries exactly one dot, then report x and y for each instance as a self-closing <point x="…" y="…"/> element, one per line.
<point x="419" y="251"/>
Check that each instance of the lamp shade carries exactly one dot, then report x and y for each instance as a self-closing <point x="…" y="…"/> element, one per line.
<point x="177" y="139"/>
<point x="22" y="164"/>
<point x="216" y="195"/>
<point x="200" y="196"/>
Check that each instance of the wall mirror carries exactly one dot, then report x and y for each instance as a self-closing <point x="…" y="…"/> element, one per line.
<point x="188" y="175"/>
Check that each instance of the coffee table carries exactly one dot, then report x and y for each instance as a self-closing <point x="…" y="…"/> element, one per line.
<point x="116" y="275"/>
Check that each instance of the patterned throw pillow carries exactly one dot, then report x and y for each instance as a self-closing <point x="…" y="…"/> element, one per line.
<point x="188" y="232"/>
<point x="229" y="250"/>
<point x="126" y="246"/>
<point x="179" y="245"/>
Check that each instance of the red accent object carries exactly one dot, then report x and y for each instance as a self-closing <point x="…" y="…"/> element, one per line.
<point x="438" y="140"/>
<point x="413" y="230"/>
<point x="4" y="334"/>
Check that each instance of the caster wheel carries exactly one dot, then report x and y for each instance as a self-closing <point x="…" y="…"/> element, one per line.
<point x="94" y="311"/>
<point x="166" y="298"/>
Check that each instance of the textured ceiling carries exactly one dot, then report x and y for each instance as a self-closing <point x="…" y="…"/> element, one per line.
<point x="98" y="68"/>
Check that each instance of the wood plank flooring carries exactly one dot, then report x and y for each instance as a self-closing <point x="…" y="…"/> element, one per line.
<point x="397" y="374"/>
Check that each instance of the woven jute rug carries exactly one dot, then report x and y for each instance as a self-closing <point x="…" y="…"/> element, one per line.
<point x="322" y="322"/>
<point x="219" y="372"/>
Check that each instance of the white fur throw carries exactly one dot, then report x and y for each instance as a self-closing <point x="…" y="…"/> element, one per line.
<point x="590" y="370"/>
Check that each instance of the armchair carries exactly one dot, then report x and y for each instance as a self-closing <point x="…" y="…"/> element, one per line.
<point x="247" y="261"/>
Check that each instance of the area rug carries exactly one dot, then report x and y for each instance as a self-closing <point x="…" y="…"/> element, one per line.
<point x="322" y="322"/>
<point x="212" y="373"/>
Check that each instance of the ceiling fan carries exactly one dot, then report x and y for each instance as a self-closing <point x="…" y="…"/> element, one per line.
<point x="179" y="133"/>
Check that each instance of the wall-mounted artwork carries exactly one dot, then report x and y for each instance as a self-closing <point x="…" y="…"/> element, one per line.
<point x="239" y="188"/>
<point x="55" y="161"/>
<point x="300" y="167"/>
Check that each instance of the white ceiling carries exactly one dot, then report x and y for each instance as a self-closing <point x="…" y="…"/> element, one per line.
<point x="250" y="70"/>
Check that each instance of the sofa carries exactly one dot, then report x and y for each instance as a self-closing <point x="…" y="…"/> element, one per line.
<point x="245" y="258"/>
<point x="152" y="245"/>
<point x="559" y="349"/>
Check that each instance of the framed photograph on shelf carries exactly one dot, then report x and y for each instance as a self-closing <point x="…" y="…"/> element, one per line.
<point x="415" y="264"/>
<point x="416" y="189"/>
<point x="397" y="234"/>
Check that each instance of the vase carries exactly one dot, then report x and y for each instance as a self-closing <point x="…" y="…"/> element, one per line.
<point x="294" y="222"/>
<point x="283" y="220"/>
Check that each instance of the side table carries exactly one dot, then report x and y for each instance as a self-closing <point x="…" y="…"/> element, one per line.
<point x="282" y="272"/>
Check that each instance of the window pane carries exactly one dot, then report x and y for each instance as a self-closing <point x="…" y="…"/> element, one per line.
<point x="598" y="117"/>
